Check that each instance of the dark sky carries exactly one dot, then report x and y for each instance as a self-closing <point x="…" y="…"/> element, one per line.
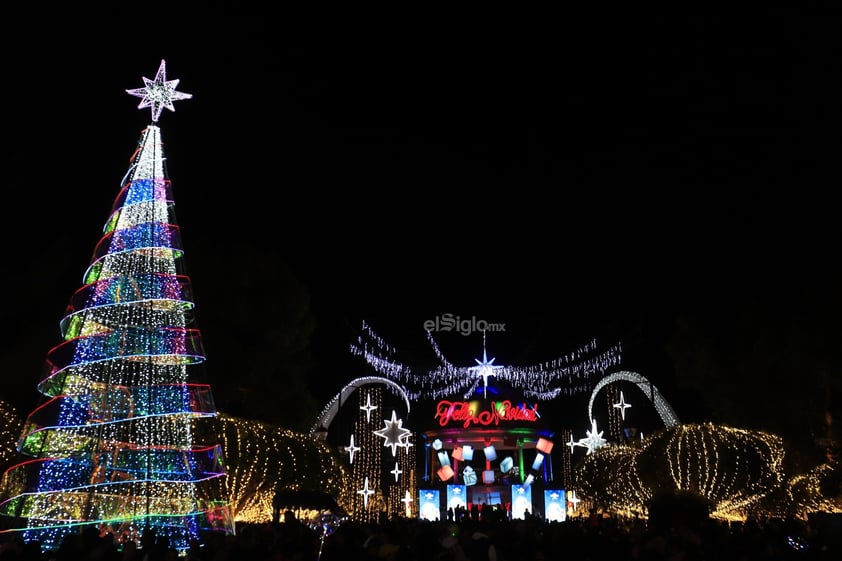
<point x="594" y="180"/>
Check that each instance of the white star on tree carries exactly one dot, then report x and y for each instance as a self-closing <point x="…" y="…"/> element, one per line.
<point x="396" y="472"/>
<point x="365" y="492"/>
<point x="158" y="93"/>
<point x="368" y="407"/>
<point x="393" y="433"/>
<point x="351" y="449"/>
<point x="622" y="406"/>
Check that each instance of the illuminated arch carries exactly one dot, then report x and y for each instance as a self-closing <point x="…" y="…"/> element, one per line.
<point x="663" y="408"/>
<point x="332" y="408"/>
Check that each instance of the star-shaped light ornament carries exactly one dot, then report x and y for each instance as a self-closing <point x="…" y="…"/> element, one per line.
<point x="365" y="492"/>
<point x="393" y="433"/>
<point x="351" y="448"/>
<point x="158" y="93"/>
<point x="407" y="503"/>
<point x="622" y="406"/>
<point x="593" y="440"/>
<point x="484" y="369"/>
<point x="573" y="499"/>
<point x="368" y="408"/>
<point x="573" y="443"/>
<point x="396" y="472"/>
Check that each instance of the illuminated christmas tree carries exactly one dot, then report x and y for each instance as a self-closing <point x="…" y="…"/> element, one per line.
<point x="125" y="438"/>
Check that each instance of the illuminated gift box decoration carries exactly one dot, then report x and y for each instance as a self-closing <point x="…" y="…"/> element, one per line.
<point x="444" y="459"/>
<point x="539" y="459"/>
<point x="437" y="444"/>
<point x="488" y="476"/>
<point x="507" y="464"/>
<point x="490" y="453"/>
<point x="544" y="445"/>
<point x="457" y="453"/>
<point x="445" y="473"/>
<point x="529" y="479"/>
<point x="469" y="476"/>
<point x="468" y="453"/>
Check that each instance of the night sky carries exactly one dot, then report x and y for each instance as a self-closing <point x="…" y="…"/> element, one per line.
<point x="596" y="181"/>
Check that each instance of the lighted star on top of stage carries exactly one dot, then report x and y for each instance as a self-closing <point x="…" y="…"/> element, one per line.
<point x="158" y="93"/>
<point x="483" y="370"/>
<point x="393" y="433"/>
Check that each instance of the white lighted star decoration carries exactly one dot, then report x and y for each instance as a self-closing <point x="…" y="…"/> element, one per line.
<point x="622" y="406"/>
<point x="393" y="433"/>
<point x="368" y="408"/>
<point x="158" y="93"/>
<point x="351" y="448"/>
<point x="365" y="492"/>
<point x="573" y="443"/>
<point x="593" y="440"/>
<point x="573" y="499"/>
<point x="407" y="502"/>
<point x="396" y="472"/>
<point x="483" y="370"/>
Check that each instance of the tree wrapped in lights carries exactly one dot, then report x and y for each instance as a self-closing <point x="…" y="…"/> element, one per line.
<point x="10" y="427"/>
<point x="263" y="458"/>
<point x="608" y="479"/>
<point x="734" y="469"/>
<point x="125" y="437"/>
<point x="819" y="490"/>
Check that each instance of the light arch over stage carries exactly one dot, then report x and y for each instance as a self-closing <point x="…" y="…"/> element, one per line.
<point x="663" y="408"/>
<point x="332" y="408"/>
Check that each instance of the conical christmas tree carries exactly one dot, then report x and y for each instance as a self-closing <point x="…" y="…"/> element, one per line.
<point x="125" y="438"/>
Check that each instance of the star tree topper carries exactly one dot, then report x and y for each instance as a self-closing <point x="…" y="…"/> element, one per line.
<point x="158" y="93"/>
